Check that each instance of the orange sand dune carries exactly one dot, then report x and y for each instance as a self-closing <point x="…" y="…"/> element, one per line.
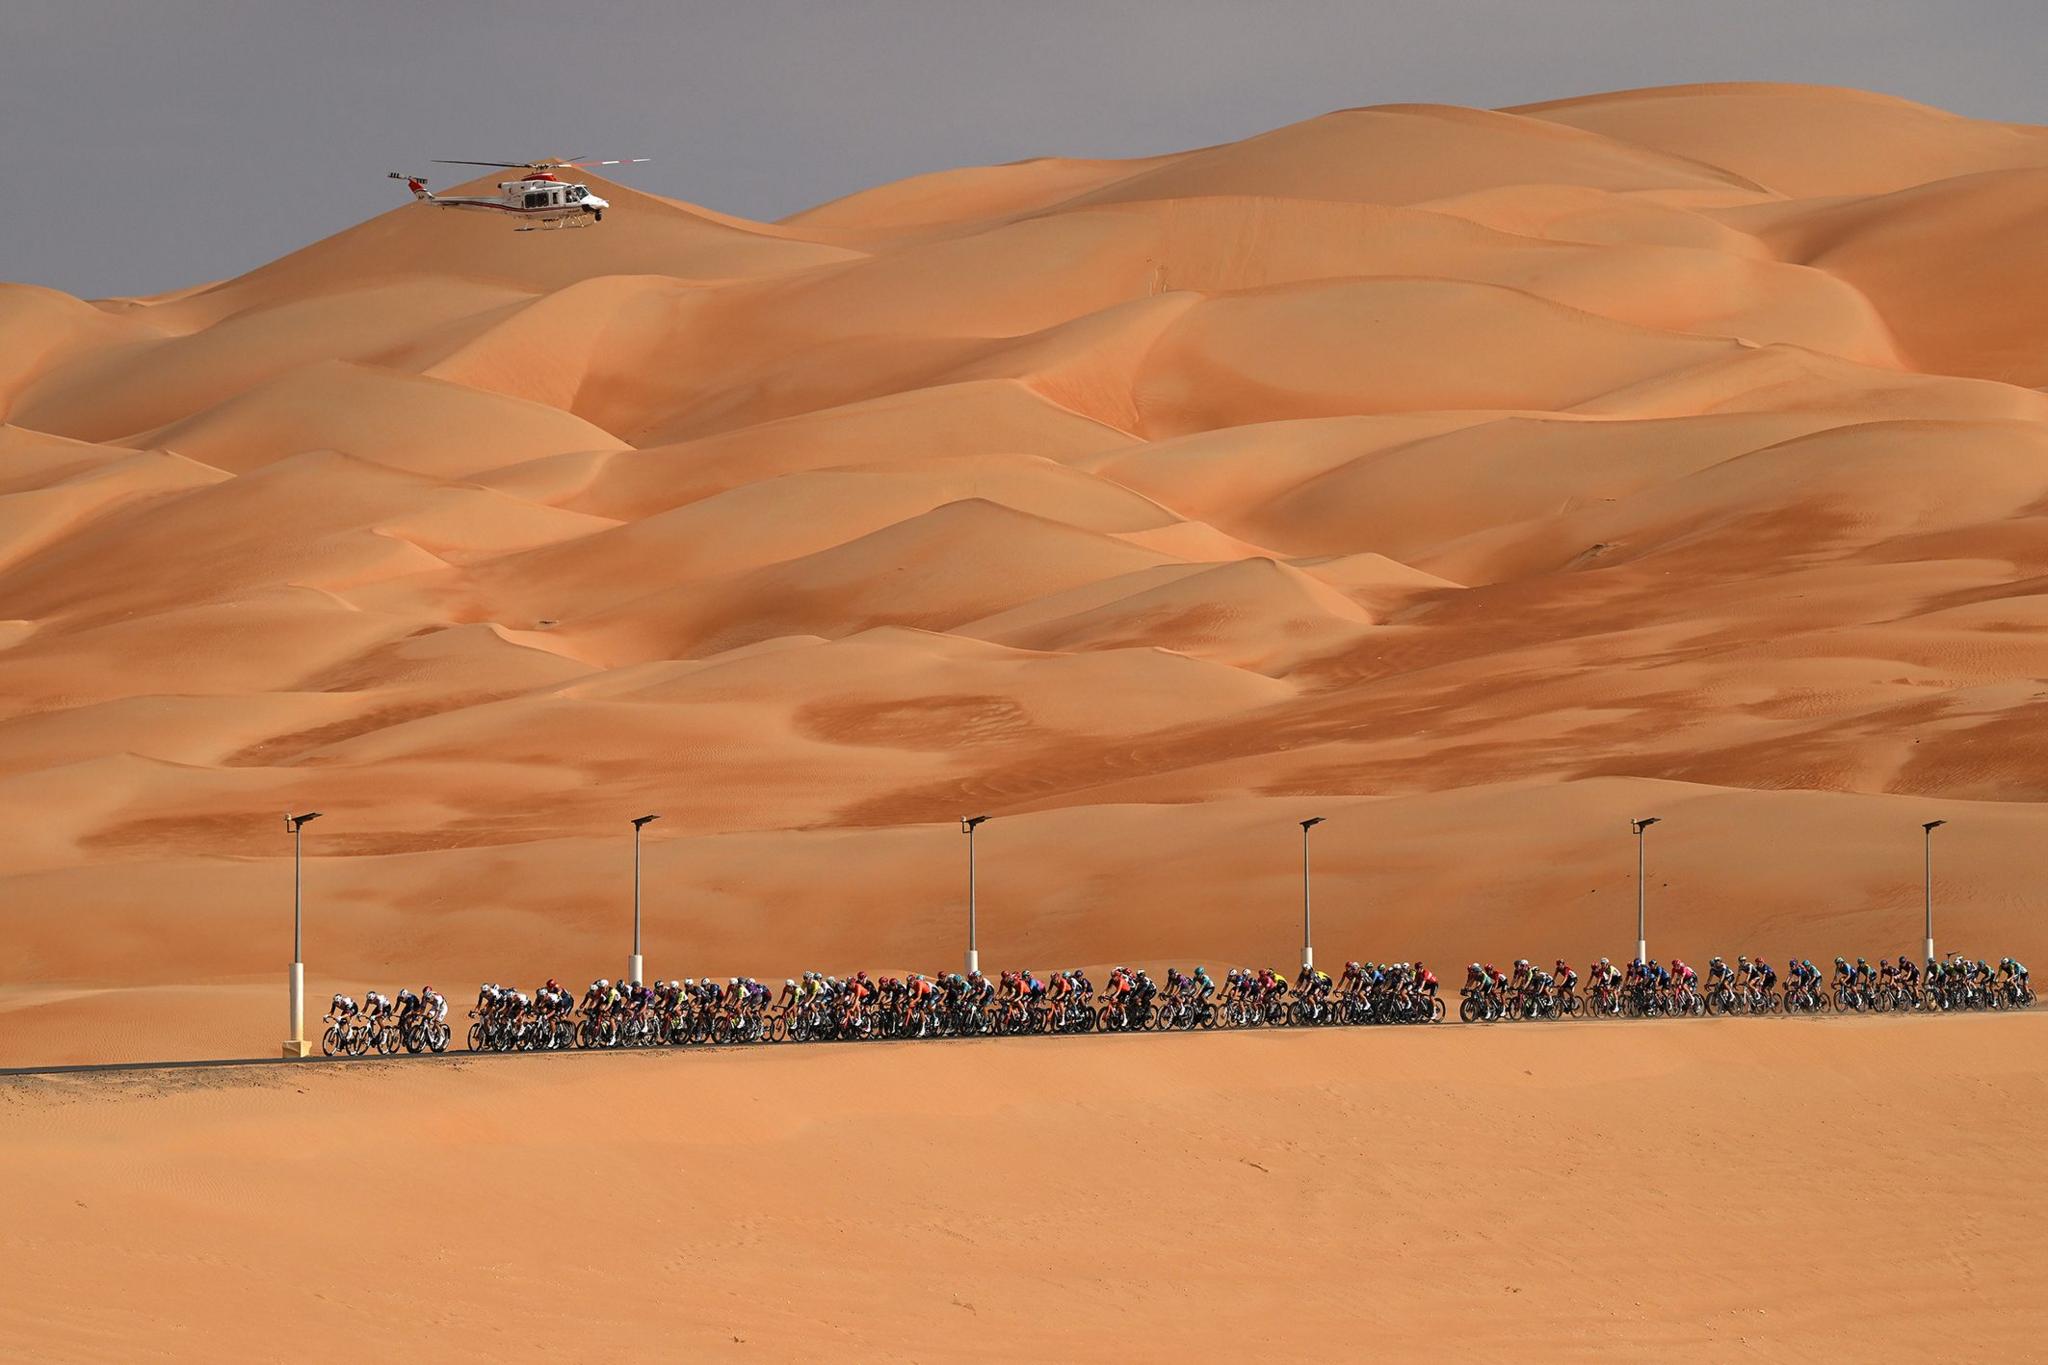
<point x="1478" y="479"/>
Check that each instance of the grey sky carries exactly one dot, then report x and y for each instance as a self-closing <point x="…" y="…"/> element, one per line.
<point x="158" y="143"/>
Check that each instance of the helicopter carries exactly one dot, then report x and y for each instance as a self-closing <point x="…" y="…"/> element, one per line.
<point x="538" y="199"/>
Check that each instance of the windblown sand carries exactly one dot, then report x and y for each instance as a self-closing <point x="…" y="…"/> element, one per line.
<point x="1741" y="1189"/>
<point x="1478" y="480"/>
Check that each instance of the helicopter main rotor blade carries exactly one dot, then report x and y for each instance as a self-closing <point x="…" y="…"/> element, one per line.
<point x="501" y="165"/>
<point x="616" y="161"/>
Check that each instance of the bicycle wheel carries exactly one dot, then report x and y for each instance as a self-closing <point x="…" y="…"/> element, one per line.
<point x="331" y="1044"/>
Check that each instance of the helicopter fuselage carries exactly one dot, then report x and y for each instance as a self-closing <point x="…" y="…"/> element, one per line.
<point x="532" y="201"/>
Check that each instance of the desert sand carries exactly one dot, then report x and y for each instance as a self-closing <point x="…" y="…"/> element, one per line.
<point x="1475" y="479"/>
<point x="1744" y="1189"/>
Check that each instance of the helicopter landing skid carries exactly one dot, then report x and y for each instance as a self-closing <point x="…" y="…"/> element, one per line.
<point x="553" y="225"/>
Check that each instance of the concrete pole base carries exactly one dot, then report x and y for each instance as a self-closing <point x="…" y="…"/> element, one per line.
<point x="1930" y="951"/>
<point x="635" y="965"/>
<point x="973" y="962"/>
<point x="1642" y="951"/>
<point x="297" y="1048"/>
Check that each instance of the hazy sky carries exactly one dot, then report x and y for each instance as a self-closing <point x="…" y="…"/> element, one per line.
<point x="158" y="143"/>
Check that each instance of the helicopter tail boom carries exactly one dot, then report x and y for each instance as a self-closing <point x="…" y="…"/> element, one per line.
<point x="416" y="184"/>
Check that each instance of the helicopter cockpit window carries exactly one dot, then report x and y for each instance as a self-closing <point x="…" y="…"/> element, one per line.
<point x="576" y="193"/>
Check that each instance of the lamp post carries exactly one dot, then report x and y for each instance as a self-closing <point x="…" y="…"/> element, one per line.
<point x="1642" y="941"/>
<point x="967" y="824"/>
<point x="1927" y="880"/>
<point x="1308" y="951"/>
<point x="296" y="1045"/>
<point x="633" y="964"/>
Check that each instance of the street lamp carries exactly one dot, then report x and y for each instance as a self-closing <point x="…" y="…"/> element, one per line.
<point x="296" y="1045"/>
<point x="1308" y="952"/>
<point x="967" y="824"/>
<point x="633" y="965"/>
<point x="1927" y="880"/>
<point x="1642" y="942"/>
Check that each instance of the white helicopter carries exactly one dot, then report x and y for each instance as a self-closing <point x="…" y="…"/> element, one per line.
<point x="538" y="199"/>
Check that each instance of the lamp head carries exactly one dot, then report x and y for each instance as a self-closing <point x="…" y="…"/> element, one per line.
<point x="645" y="820"/>
<point x="1933" y="825"/>
<point x="1644" y="823"/>
<point x="292" y="822"/>
<point x="968" y="822"/>
<point x="1312" y="822"/>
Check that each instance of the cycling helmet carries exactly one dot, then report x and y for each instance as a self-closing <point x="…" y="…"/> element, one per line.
<point x="1521" y="962"/>
<point x="789" y="981"/>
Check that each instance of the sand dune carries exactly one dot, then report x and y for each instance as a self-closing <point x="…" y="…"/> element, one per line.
<point x="408" y="423"/>
<point x="1802" y="142"/>
<point x="1471" y="477"/>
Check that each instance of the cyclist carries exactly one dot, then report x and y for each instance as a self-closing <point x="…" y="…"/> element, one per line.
<point x="1565" y="980"/>
<point x="1034" y="989"/>
<point x="1059" y="993"/>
